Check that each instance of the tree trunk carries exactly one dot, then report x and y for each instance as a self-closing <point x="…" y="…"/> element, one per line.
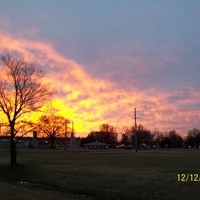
<point x="13" y="152"/>
<point x="52" y="139"/>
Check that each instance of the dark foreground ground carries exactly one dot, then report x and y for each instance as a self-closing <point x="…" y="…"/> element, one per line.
<point x="101" y="174"/>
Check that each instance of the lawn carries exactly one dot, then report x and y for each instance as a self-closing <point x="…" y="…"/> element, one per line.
<point x="104" y="174"/>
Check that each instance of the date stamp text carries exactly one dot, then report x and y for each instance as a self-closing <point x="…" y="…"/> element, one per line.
<point x="188" y="177"/>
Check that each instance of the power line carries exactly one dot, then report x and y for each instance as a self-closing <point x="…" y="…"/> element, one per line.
<point x="166" y="122"/>
<point x="171" y="111"/>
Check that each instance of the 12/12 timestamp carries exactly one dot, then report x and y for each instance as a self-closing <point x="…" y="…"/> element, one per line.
<point x="188" y="177"/>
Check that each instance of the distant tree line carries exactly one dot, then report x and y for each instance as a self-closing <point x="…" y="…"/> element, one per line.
<point x="156" y="139"/>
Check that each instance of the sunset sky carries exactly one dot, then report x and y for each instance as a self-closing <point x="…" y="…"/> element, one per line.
<point x="107" y="57"/>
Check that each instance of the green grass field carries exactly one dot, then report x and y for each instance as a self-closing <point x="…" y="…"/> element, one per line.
<point x="104" y="174"/>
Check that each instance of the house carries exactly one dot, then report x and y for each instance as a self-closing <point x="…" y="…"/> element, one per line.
<point x="6" y="143"/>
<point x="96" y="145"/>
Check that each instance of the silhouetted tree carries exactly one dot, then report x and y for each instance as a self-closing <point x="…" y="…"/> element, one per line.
<point x="125" y="139"/>
<point x="90" y="138"/>
<point x="143" y="135"/>
<point x="193" y="137"/>
<point x="175" y="139"/>
<point x="165" y="143"/>
<point x="126" y="136"/>
<point x="21" y="92"/>
<point x="156" y="138"/>
<point x="108" y="134"/>
<point x="53" y="126"/>
<point x="172" y="140"/>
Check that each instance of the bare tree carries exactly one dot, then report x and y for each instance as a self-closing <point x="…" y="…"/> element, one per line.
<point x="21" y="92"/>
<point x="53" y="126"/>
<point x="108" y="134"/>
<point x="127" y="135"/>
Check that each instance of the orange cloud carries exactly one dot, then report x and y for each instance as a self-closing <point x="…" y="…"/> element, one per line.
<point x="89" y="101"/>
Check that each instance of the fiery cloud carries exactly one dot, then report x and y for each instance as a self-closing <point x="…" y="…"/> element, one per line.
<point x="90" y="101"/>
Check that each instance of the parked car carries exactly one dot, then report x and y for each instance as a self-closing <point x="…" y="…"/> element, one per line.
<point x="144" y="146"/>
<point x="129" y="147"/>
<point x="121" y="146"/>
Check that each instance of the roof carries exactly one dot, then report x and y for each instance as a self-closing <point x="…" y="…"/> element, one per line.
<point x="96" y="144"/>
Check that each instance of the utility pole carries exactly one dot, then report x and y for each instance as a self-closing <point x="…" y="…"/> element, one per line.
<point x="66" y="136"/>
<point x="136" y="142"/>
